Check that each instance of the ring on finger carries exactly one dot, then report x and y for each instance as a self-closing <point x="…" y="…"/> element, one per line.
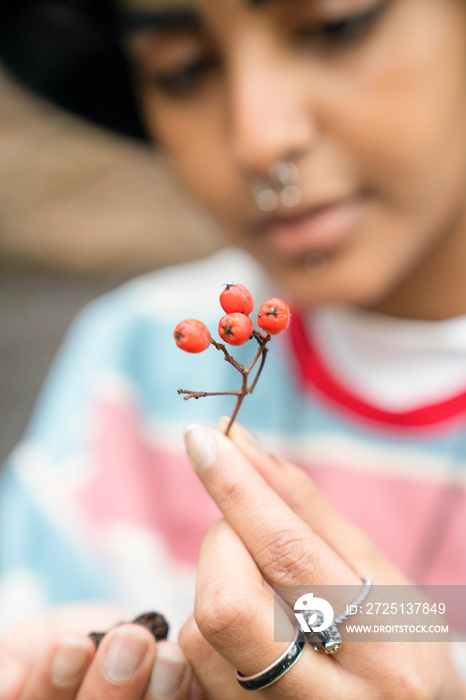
<point x="277" y="669"/>
<point x="329" y="640"/>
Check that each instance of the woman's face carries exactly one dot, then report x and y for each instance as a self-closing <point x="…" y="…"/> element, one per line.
<point x="366" y="97"/>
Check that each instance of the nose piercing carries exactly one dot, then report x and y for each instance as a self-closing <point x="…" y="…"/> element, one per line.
<point x="281" y="185"/>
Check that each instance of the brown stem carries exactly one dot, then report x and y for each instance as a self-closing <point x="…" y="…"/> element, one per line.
<point x="235" y="413"/>
<point x="259" y="352"/>
<point x="228" y="357"/>
<point x="260" y="337"/>
<point x="257" y="335"/>
<point x="244" y="371"/>
<point x="262" y="351"/>
<point x="203" y="394"/>
<point x="261" y="366"/>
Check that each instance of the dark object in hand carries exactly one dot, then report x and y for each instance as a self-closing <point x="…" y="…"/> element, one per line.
<point x="154" y="622"/>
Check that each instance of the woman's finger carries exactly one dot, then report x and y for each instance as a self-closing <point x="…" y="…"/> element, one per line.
<point x="171" y="676"/>
<point x="29" y="639"/>
<point x="214" y="677"/>
<point x="298" y="490"/>
<point x="130" y="666"/>
<point x="288" y="552"/>
<point x="122" y="670"/>
<point x="58" y="674"/>
<point x="12" y="675"/>
<point x="235" y="613"/>
<point x="286" y="549"/>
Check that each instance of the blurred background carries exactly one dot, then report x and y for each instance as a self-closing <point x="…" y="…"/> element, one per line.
<point x="81" y="210"/>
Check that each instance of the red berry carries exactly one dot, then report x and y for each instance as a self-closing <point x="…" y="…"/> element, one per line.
<point x="235" y="329"/>
<point x="236" y="298"/>
<point x="274" y="316"/>
<point x="192" y="336"/>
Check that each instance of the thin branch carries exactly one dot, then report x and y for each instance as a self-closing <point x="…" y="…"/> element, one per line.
<point x="228" y="357"/>
<point x="260" y="337"/>
<point x="245" y="372"/>
<point x="261" y="366"/>
<point x="203" y="394"/>
<point x="235" y="413"/>
<point x="258" y="354"/>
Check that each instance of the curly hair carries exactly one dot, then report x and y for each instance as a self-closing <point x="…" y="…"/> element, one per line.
<point x="68" y="51"/>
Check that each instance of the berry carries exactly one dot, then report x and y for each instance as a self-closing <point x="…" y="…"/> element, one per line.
<point x="274" y="316"/>
<point x="236" y="298"/>
<point x="235" y="329"/>
<point x="192" y="336"/>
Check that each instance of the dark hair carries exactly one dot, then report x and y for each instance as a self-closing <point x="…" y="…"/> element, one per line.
<point x="68" y="51"/>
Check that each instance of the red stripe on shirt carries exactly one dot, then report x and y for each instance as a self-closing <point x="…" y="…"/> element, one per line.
<point x="315" y="375"/>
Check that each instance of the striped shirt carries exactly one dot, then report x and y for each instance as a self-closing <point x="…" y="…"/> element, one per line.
<point x="99" y="502"/>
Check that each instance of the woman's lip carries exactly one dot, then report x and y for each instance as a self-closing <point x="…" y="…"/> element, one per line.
<point x="322" y="229"/>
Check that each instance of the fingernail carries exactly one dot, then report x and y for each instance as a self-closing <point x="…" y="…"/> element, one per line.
<point x="201" y="447"/>
<point x="69" y="661"/>
<point x="168" y="672"/>
<point x="125" y="654"/>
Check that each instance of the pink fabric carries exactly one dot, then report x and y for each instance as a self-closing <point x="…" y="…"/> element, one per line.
<point x="410" y="508"/>
<point x="144" y="485"/>
<point x="141" y="484"/>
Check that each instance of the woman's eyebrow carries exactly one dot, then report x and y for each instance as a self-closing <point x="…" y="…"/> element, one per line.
<point x="166" y="18"/>
<point x="159" y="19"/>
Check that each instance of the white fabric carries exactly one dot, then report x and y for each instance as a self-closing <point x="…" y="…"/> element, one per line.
<point x="395" y="364"/>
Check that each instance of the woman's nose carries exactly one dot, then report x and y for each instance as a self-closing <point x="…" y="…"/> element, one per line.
<point x="270" y="120"/>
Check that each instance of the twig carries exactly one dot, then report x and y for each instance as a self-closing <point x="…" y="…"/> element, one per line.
<point x="244" y="371"/>
<point x="253" y="385"/>
<point x="203" y="394"/>
<point x="229" y="358"/>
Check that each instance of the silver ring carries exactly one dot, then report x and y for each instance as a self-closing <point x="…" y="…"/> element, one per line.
<point x="277" y="669"/>
<point x="329" y="640"/>
<point x="281" y="185"/>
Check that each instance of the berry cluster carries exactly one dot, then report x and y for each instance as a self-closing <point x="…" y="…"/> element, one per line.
<point x="235" y="328"/>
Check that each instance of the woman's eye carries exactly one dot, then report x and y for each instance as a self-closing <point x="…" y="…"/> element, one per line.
<point x="185" y="79"/>
<point x="345" y="29"/>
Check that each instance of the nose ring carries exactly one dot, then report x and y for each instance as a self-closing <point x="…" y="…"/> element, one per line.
<point x="281" y="185"/>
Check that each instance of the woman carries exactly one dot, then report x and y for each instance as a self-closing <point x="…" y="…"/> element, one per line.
<point x="330" y="141"/>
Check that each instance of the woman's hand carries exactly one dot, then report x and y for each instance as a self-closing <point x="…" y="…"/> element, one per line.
<point x="279" y="530"/>
<point x="39" y="661"/>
